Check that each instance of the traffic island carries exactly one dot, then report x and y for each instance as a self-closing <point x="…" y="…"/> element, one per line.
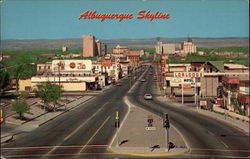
<point x="142" y="134"/>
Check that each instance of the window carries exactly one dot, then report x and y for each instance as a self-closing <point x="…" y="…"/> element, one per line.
<point x="27" y="88"/>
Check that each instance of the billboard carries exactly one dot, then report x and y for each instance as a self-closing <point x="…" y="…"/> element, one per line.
<point x="106" y="63"/>
<point x="71" y="65"/>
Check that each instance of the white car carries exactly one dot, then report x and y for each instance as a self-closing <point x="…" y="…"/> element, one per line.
<point x="148" y="96"/>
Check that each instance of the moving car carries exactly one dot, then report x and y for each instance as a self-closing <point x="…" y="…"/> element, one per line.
<point x="148" y="96"/>
<point x="142" y="80"/>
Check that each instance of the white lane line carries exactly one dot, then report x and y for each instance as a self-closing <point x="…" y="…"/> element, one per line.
<point x="226" y="146"/>
<point x="94" y="134"/>
<point x="71" y="134"/>
<point x="125" y="99"/>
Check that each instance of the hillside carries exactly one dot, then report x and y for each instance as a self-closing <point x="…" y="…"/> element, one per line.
<point x="131" y="43"/>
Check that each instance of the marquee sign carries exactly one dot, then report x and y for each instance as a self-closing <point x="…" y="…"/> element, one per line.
<point x="188" y="74"/>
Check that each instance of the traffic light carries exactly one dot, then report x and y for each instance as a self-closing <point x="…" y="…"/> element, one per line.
<point x="117" y="123"/>
<point x="1" y="115"/>
<point x="166" y="123"/>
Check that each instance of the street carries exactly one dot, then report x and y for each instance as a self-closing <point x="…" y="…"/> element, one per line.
<point x="89" y="127"/>
<point x="86" y="132"/>
<point x="206" y="137"/>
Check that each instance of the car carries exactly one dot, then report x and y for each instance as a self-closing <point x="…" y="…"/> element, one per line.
<point x="118" y="84"/>
<point x="31" y="95"/>
<point x="142" y="80"/>
<point x="148" y="96"/>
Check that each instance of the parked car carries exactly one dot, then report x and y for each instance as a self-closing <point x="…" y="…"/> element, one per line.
<point x="118" y="84"/>
<point x="31" y="95"/>
<point x="148" y="96"/>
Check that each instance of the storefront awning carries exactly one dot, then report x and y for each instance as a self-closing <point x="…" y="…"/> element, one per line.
<point x="243" y="98"/>
<point x="231" y="80"/>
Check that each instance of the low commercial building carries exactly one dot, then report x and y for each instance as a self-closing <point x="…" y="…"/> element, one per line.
<point x="44" y="68"/>
<point x="235" y="92"/>
<point x="73" y="75"/>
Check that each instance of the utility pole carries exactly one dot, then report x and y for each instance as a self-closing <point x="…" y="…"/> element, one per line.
<point x="166" y="124"/>
<point x="182" y="93"/>
<point x="195" y="95"/>
<point x="59" y="70"/>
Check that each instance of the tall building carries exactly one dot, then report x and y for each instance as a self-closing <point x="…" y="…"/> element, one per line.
<point x="165" y="48"/>
<point x="101" y="48"/>
<point x="188" y="46"/>
<point x="89" y="46"/>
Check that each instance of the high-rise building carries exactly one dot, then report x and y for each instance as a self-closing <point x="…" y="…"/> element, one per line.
<point x="101" y="48"/>
<point x="89" y="46"/>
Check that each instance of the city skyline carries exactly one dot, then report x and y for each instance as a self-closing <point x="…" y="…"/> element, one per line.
<point x="59" y="19"/>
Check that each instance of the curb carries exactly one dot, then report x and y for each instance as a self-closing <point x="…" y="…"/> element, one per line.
<point x="63" y="112"/>
<point x="9" y="138"/>
<point x="147" y="154"/>
<point x="211" y="117"/>
<point x="223" y="121"/>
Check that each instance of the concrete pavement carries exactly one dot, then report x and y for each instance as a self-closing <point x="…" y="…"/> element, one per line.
<point x="134" y="138"/>
<point x="39" y="121"/>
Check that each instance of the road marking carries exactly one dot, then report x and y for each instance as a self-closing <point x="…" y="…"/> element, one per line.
<point x="45" y="147"/>
<point x="94" y="134"/>
<point x="79" y="127"/>
<point x="71" y="134"/>
<point x="217" y="156"/>
<point x="204" y="149"/>
<point x="226" y="146"/>
<point x="125" y="99"/>
<point x="60" y="154"/>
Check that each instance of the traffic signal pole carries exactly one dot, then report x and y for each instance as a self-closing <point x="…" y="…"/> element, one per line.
<point x="166" y="124"/>
<point x="117" y="125"/>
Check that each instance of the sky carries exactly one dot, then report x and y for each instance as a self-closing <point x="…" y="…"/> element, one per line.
<point x="58" y="19"/>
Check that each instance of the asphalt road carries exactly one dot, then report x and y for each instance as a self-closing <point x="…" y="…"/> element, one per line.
<point x="84" y="132"/>
<point x="205" y="136"/>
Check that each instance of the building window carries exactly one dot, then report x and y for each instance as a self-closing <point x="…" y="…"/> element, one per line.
<point x="27" y="88"/>
<point x="40" y="67"/>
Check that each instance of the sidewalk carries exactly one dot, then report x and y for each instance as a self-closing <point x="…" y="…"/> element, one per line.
<point x="39" y="121"/>
<point x="233" y="120"/>
<point x="133" y="138"/>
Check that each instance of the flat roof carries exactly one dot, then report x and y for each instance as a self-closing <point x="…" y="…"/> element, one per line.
<point x="235" y="66"/>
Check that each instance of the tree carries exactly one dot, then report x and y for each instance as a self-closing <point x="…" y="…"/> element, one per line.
<point x="50" y="93"/>
<point x="4" y="78"/>
<point x="20" y="108"/>
<point x="20" y="67"/>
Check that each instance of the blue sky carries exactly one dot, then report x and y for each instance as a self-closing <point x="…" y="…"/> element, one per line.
<point x="57" y="19"/>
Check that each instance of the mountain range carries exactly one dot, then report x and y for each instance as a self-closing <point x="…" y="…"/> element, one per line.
<point x="44" y="44"/>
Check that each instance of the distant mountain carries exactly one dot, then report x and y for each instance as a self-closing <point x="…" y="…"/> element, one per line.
<point x="45" y="44"/>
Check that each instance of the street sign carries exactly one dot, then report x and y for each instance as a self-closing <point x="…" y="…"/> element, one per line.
<point x="150" y="121"/>
<point x="150" y="128"/>
<point x="203" y="103"/>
